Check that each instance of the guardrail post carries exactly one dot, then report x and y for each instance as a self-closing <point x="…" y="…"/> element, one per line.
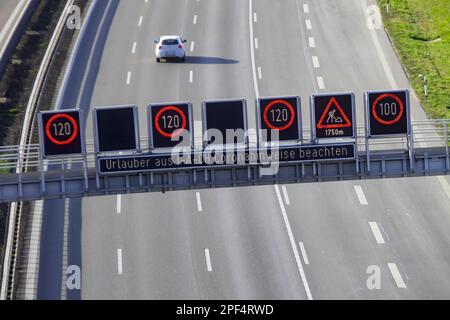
<point x="410" y="141"/>
<point x="446" y="146"/>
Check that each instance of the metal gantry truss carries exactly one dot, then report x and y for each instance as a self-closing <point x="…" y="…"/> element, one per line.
<point x="425" y="152"/>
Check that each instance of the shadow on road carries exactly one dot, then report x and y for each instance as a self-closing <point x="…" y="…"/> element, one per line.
<point x="205" y="60"/>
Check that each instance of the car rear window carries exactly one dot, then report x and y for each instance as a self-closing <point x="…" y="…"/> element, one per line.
<point x="170" y="42"/>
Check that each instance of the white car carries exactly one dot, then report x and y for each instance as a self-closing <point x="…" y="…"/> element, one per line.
<point x="170" y="47"/>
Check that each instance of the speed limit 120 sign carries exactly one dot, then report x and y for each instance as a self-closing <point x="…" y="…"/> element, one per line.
<point x="170" y="125"/>
<point x="60" y="133"/>
<point x="388" y="113"/>
<point x="279" y="119"/>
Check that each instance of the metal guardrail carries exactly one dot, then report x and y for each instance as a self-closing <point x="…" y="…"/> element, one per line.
<point x="24" y="160"/>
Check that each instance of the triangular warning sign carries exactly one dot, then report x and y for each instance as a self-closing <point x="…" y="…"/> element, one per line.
<point x="334" y="117"/>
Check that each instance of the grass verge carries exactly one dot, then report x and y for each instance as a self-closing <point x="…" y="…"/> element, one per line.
<point x="420" y="31"/>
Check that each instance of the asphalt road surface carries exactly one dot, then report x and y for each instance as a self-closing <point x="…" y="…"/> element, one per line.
<point x="6" y="9"/>
<point x="306" y="241"/>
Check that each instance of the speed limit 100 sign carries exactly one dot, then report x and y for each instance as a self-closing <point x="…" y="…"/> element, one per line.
<point x="60" y="133"/>
<point x="388" y="113"/>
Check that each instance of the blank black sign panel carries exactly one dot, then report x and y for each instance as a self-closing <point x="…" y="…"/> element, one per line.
<point x="225" y="115"/>
<point x="280" y="116"/>
<point x="388" y="112"/>
<point x="170" y="125"/>
<point x="333" y="116"/>
<point x="61" y="133"/>
<point x="116" y="129"/>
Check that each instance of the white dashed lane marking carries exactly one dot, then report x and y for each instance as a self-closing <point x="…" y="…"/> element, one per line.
<point x="361" y="196"/>
<point x="316" y="63"/>
<point x="396" y="275"/>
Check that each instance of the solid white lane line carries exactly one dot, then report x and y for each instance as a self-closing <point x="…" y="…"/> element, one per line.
<point x="293" y="245"/>
<point x="321" y="83"/>
<point x="141" y="18"/>
<point x="376" y="42"/>
<point x="255" y="17"/>
<point x="119" y="262"/>
<point x="259" y="73"/>
<point x="119" y="204"/>
<point x="316" y="63"/>
<point x="208" y="260"/>
<point x="133" y="50"/>
<point x="444" y="185"/>
<point x="191" y="76"/>
<point x="376" y="232"/>
<point x="286" y="195"/>
<point x="397" y="276"/>
<point x="256" y="43"/>
<point x="305" y="8"/>
<point x="361" y="196"/>
<point x="199" y="202"/>
<point x="308" y="24"/>
<point x="252" y="49"/>
<point x="312" y="42"/>
<point x="192" y="46"/>
<point x="302" y="249"/>
<point x="195" y="19"/>
<point x="128" y="77"/>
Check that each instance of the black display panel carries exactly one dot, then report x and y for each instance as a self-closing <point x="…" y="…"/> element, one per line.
<point x="223" y="116"/>
<point x="388" y="113"/>
<point x="279" y="116"/>
<point x="116" y="129"/>
<point x="333" y="116"/>
<point x="170" y="125"/>
<point x="61" y="133"/>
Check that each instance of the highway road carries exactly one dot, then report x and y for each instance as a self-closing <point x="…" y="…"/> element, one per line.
<point x="308" y="241"/>
<point x="6" y="9"/>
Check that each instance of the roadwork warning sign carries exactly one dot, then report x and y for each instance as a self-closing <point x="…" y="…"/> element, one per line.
<point x="333" y="115"/>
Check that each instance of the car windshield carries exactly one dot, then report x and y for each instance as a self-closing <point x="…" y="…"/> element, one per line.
<point x="170" y="42"/>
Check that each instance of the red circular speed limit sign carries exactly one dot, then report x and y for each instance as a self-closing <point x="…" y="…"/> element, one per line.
<point x="61" y="129"/>
<point x="279" y="115"/>
<point x="170" y="122"/>
<point x="388" y="109"/>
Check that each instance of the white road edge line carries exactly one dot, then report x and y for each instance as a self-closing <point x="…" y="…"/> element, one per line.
<point x="308" y="24"/>
<point x="252" y="49"/>
<point x="119" y="204"/>
<point x="361" y="196"/>
<point x="316" y="63"/>
<point x="208" y="260"/>
<point x="119" y="262"/>
<point x="376" y="42"/>
<point x="199" y="202"/>
<point x="305" y="8"/>
<point x="397" y="276"/>
<point x="302" y="249"/>
<point x="286" y="195"/>
<point x="376" y="232"/>
<point x="293" y="245"/>
<point x="444" y="185"/>
<point x="312" y="42"/>
<point x="321" y="83"/>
